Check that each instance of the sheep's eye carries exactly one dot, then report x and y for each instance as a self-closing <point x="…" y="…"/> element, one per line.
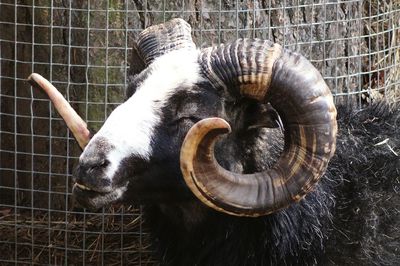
<point x="192" y="119"/>
<point x="184" y="120"/>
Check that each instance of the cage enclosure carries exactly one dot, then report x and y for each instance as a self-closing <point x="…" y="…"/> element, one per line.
<point x="83" y="48"/>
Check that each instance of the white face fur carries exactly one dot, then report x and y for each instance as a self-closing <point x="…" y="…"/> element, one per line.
<point x="129" y="128"/>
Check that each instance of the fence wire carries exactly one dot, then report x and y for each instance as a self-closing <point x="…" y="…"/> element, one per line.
<point x="83" y="48"/>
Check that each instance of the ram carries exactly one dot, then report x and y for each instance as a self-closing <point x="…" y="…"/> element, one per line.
<point x="262" y="194"/>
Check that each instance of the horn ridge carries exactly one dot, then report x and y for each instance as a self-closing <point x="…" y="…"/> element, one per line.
<point x="245" y="66"/>
<point x="137" y="63"/>
<point x="265" y="72"/>
<point x="160" y="39"/>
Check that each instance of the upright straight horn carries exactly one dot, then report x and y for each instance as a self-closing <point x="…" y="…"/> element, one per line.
<point x="74" y="122"/>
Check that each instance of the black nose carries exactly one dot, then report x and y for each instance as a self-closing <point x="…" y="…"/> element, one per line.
<point x="93" y="164"/>
<point x="90" y="170"/>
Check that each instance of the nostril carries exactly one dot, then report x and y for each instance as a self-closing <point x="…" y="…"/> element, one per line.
<point x="104" y="163"/>
<point x="98" y="165"/>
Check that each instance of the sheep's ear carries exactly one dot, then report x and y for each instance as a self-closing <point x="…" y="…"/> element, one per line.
<point x="262" y="116"/>
<point x="164" y="38"/>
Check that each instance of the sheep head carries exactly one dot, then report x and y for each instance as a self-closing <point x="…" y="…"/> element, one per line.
<point x="160" y="142"/>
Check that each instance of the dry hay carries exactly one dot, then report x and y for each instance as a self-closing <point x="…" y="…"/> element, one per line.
<point x="74" y="238"/>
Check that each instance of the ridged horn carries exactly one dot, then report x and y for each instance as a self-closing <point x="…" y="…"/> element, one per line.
<point x="136" y="64"/>
<point x="74" y="122"/>
<point x="160" y="39"/>
<point x="263" y="71"/>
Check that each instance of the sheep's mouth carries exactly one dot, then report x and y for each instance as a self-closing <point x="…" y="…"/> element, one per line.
<point x="83" y="187"/>
<point x="95" y="199"/>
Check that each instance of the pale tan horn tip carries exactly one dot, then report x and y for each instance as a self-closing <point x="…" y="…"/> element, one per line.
<point x="33" y="79"/>
<point x="74" y="122"/>
<point x="33" y="76"/>
<point x="38" y="81"/>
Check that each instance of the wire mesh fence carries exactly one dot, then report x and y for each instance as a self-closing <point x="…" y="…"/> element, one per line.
<point x="83" y="48"/>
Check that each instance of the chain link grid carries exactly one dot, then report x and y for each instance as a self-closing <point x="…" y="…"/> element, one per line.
<point x="83" y="48"/>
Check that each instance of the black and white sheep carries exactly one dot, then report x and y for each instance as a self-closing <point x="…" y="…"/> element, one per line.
<point x="283" y="129"/>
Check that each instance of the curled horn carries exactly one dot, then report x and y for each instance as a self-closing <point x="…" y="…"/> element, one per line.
<point x="155" y="41"/>
<point x="265" y="72"/>
<point x="137" y="63"/>
<point x="74" y="122"/>
<point x="160" y="39"/>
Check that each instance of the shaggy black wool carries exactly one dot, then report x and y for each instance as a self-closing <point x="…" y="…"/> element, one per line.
<point x="351" y="218"/>
<point x="366" y="225"/>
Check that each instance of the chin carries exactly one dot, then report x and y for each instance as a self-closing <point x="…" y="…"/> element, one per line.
<point x="95" y="200"/>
